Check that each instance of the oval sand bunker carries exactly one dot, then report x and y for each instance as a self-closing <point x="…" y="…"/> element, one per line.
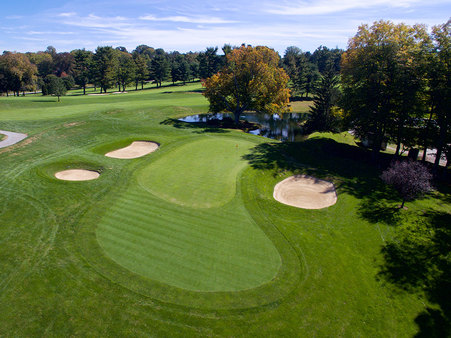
<point x="305" y="192"/>
<point x="77" y="175"/>
<point x="134" y="150"/>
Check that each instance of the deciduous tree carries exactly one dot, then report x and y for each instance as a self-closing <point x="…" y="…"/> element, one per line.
<point x="250" y="80"/>
<point x="409" y="178"/>
<point x="381" y="81"/>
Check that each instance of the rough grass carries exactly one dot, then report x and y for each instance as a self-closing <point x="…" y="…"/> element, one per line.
<point x="60" y="277"/>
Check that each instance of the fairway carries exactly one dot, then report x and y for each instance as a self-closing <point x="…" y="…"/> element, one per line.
<point x="188" y="240"/>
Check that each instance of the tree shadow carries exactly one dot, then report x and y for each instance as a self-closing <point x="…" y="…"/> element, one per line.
<point x="350" y="167"/>
<point x="200" y="127"/>
<point x="418" y="260"/>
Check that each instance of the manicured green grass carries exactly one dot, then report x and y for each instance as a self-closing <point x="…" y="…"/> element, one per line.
<point x="199" y="174"/>
<point x="117" y="256"/>
<point x="172" y="243"/>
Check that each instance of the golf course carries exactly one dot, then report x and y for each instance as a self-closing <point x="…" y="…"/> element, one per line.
<point x="182" y="236"/>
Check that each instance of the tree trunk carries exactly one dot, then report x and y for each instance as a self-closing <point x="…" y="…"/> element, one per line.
<point x="441" y="143"/>
<point x="236" y="114"/>
<point x="398" y="146"/>
<point x="84" y="89"/>
<point x="426" y="135"/>
<point x="58" y="98"/>
<point x="403" y="201"/>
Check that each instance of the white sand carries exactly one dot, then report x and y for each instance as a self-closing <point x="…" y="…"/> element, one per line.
<point x="98" y="94"/>
<point x="305" y="192"/>
<point x="134" y="150"/>
<point x="119" y="92"/>
<point x="77" y="175"/>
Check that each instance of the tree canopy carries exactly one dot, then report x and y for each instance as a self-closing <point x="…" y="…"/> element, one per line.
<point x="250" y="80"/>
<point x="409" y="178"/>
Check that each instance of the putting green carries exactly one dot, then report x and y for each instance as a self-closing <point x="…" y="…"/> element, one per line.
<point x="200" y="174"/>
<point x="214" y="249"/>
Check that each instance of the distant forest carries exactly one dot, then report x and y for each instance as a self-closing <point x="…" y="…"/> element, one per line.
<point x="109" y="67"/>
<point x="392" y="84"/>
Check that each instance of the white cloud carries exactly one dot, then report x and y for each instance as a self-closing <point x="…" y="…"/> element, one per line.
<point x="49" y="33"/>
<point x="327" y="7"/>
<point x="14" y="17"/>
<point x="199" y="19"/>
<point x="94" y="21"/>
<point x="67" y="14"/>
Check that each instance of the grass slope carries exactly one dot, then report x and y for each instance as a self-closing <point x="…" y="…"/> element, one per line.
<point x="57" y="280"/>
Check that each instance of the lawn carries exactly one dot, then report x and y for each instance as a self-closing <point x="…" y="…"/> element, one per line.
<point x="188" y="240"/>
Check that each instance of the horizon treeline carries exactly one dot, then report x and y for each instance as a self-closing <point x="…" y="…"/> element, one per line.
<point x="109" y="67"/>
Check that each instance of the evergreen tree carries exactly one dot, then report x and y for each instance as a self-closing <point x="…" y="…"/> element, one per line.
<point x="322" y="115"/>
<point x="82" y="67"/>
<point x="105" y="67"/>
<point x="160" y="67"/>
<point x="142" y="71"/>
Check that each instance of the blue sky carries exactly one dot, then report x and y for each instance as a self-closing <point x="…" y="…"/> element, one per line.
<point x="196" y="24"/>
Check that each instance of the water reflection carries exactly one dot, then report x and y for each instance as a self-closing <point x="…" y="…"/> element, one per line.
<point x="284" y="128"/>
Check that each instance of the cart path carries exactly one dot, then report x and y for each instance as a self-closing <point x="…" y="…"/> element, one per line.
<point x="11" y="138"/>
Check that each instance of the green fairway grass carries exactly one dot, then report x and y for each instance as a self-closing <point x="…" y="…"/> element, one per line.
<point x="188" y="241"/>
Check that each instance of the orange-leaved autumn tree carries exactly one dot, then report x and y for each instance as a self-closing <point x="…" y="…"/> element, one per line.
<point x="251" y="80"/>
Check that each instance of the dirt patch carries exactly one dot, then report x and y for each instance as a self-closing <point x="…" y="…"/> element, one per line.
<point x="134" y="150"/>
<point x="305" y="192"/>
<point x="77" y="175"/>
<point x="73" y="124"/>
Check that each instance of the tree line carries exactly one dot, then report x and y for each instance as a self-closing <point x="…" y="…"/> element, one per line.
<point x="109" y="67"/>
<point x="392" y="84"/>
<point x="393" y="87"/>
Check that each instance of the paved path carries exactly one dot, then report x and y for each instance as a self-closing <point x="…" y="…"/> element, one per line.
<point x="12" y="138"/>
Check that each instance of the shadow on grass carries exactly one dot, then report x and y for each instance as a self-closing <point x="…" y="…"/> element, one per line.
<point x="45" y="100"/>
<point x="418" y="260"/>
<point x="200" y="127"/>
<point x="350" y="167"/>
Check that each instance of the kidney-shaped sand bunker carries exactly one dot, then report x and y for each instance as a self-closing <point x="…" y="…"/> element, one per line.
<point x="134" y="150"/>
<point x="305" y="192"/>
<point x="77" y="175"/>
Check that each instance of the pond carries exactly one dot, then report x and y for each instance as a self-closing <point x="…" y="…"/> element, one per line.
<point x="283" y="128"/>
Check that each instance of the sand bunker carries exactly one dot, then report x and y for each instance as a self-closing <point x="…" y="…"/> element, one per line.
<point x="305" y="192"/>
<point x="77" y="175"/>
<point x="134" y="150"/>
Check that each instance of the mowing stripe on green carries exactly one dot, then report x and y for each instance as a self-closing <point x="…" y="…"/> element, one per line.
<point x="208" y="249"/>
<point x="199" y="174"/>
